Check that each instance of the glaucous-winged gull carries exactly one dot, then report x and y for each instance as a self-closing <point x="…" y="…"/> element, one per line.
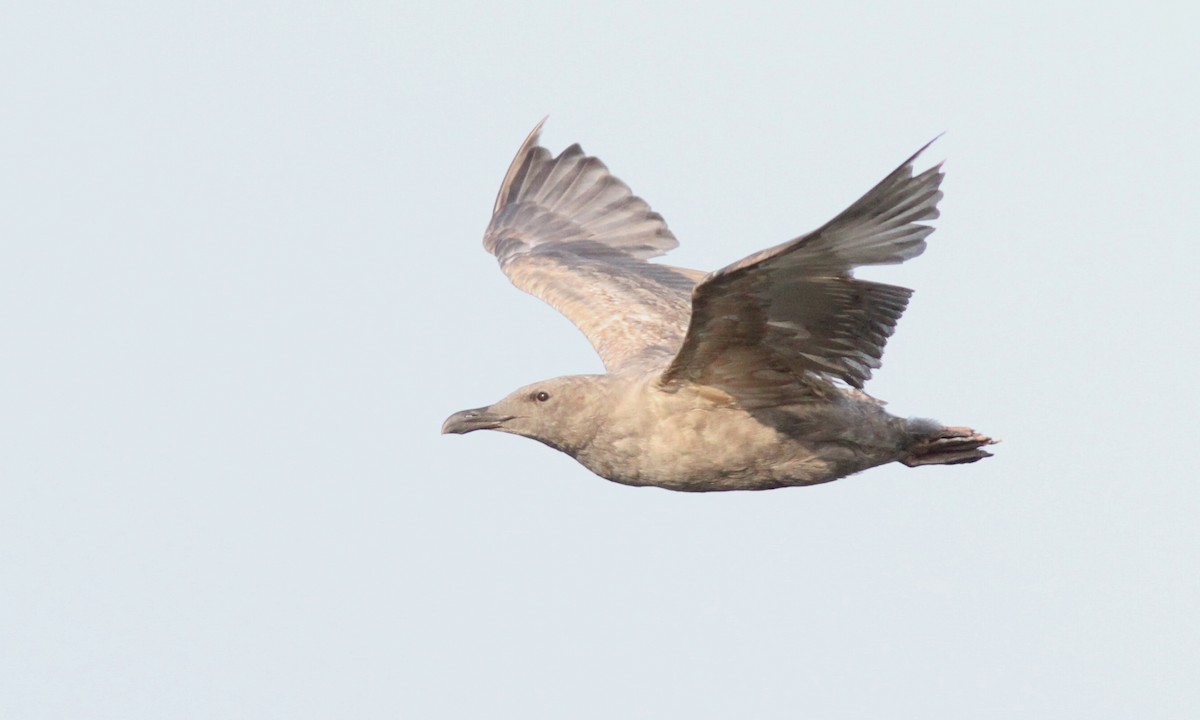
<point x="747" y="378"/>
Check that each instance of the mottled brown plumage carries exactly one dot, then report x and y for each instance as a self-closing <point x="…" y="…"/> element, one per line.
<point x="725" y="381"/>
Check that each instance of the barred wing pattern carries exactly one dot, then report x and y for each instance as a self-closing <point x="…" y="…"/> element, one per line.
<point x="567" y="231"/>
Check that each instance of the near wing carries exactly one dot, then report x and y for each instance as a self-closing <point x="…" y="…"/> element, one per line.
<point x="784" y="321"/>
<point x="568" y="232"/>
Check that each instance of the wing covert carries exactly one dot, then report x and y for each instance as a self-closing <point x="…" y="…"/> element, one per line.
<point x="785" y="321"/>
<point x="565" y="230"/>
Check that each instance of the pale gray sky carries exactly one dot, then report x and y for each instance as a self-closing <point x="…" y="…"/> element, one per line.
<point x="242" y="285"/>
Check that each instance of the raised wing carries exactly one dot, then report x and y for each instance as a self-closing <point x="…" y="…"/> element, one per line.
<point x="785" y="321"/>
<point x="567" y="231"/>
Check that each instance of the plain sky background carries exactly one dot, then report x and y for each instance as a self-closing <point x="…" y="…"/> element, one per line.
<point x="241" y="286"/>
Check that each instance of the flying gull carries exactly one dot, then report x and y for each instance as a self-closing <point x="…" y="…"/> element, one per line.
<point x="747" y="378"/>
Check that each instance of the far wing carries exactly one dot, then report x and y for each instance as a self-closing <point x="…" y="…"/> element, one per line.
<point x="785" y="321"/>
<point x="567" y="231"/>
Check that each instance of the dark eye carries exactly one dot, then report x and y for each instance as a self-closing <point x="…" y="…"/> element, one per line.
<point x="541" y="396"/>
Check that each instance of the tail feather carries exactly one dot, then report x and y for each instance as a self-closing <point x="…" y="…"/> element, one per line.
<point x="949" y="446"/>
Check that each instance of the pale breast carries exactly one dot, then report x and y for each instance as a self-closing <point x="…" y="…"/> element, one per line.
<point x="686" y="441"/>
<point x="698" y="441"/>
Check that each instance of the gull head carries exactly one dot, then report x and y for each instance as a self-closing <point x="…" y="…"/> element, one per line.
<point x="562" y="412"/>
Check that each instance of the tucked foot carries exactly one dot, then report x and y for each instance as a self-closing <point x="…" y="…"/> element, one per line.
<point x="949" y="446"/>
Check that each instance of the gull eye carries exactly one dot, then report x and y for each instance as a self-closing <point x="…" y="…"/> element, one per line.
<point x="541" y="396"/>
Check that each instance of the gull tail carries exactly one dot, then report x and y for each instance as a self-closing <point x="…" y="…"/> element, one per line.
<point x="946" y="446"/>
